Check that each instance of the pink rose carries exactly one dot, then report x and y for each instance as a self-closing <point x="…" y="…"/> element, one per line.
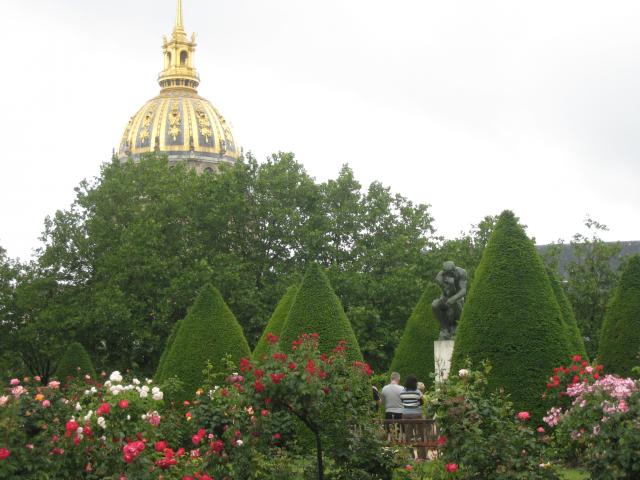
<point x="14" y="382"/>
<point x="4" y="453"/>
<point x="451" y="467"/>
<point x="46" y="404"/>
<point x="54" y="384"/>
<point x="523" y="416"/>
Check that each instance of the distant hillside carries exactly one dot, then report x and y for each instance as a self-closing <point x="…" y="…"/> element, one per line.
<point x="566" y="255"/>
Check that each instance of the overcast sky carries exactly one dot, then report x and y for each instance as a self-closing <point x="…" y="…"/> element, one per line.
<point x="470" y="106"/>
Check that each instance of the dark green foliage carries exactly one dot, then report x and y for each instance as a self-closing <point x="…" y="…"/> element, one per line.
<point x="414" y="355"/>
<point x="512" y="319"/>
<point x="317" y="309"/>
<point x="276" y="322"/>
<point x="575" y="337"/>
<point x="75" y="362"/>
<point x="620" y="340"/>
<point x="167" y="349"/>
<point x="208" y="333"/>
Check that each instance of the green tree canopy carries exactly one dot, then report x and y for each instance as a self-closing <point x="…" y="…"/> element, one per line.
<point x="167" y="348"/>
<point x="620" y="340"/>
<point x="276" y="322"/>
<point x="120" y="266"/>
<point x="317" y="309"/>
<point x="75" y="362"/>
<point x="575" y="337"/>
<point x="512" y="319"/>
<point x="414" y="355"/>
<point x="208" y="333"/>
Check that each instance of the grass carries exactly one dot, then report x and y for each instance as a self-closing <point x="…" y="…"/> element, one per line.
<point x="573" y="474"/>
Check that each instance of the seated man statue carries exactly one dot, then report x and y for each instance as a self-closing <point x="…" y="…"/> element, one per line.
<point x="448" y="308"/>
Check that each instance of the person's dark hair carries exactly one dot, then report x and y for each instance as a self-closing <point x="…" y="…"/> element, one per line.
<point x="411" y="383"/>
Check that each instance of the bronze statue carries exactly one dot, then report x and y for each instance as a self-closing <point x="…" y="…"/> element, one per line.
<point x="448" y="308"/>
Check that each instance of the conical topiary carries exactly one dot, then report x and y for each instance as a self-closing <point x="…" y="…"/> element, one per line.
<point x="163" y="358"/>
<point x="620" y="335"/>
<point x="75" y="362"/>
<point x="512" y="319"/>
<point x="317" y="309"/>
<point x="414" y="354"/>
<point x="576" y="343"/>
<point x="276" y="322"/>
<point x="208" y="333"/>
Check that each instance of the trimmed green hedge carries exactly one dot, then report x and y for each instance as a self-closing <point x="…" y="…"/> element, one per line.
<point x="575" y="337"/>
<point x="163" y="358"/>
<point x="620" y="335"/>
<point x="276" y="322"/>
<point x="512" y="318"/>
<point x="75" y="357"/>
<point x="317" y="309"/>
<point x="414" y="354"/>
<point x="208" y="333"/>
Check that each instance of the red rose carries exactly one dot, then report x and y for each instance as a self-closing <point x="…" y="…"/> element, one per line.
<point x="451" y="467"/>
<point x="523" y="416"/>
<point x="442" y="440"/>
<point x="258" y="386"/>
<point x="271" y="338"/>
<point x="103" y="409"/>
<point x="277" y="377"/>
<point x="123" y="404"/>
<point x="161" y="446"/>
<point x="4" y="453"/>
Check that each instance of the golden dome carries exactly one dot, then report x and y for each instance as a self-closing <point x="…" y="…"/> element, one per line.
<point x="179" y="122"/>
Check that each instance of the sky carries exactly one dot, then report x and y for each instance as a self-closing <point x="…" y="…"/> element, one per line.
<point x="470" y="106"/>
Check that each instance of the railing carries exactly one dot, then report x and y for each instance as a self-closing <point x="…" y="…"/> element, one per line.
<point x="419" y="433"/>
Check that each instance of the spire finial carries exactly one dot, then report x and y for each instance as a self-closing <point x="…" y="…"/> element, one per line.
<point x="179" y="19"/>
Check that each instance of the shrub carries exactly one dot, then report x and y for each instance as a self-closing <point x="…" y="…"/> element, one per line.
<point x="482" y="434"/>
<point x="601" y="427"/>
<point x="317" y="309"/>
<point x="75" y="362"/>
<point x="620" y="337"/>
<point x="163" y="358"/>
<point x="414" y="355"/>
<point x="575" y="337"/>
<point x="512" y="319"/>
<point x="208" y="333"/>
<point x="276" y="322"/>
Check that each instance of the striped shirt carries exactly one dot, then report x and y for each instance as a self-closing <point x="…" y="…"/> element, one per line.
<point x="411" y="401"/>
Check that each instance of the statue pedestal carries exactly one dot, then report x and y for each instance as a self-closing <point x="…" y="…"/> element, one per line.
<point x="442" y="351"/>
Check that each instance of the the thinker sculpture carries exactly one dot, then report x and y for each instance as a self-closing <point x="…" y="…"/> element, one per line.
<point x="448" y="308"/>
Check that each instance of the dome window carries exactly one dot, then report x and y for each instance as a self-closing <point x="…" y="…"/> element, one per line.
<point x="183" y="58"/>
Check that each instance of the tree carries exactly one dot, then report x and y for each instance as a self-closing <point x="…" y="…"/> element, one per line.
<point x="75" y="362"/>
<point x="209" y="333"/>
<point x="620" y="336"/>
<point x="167" y="348"/>
<point x="276" y="322"/>
<point x="512" y="319"/>
<point x="591" y="279"/>
<point x="414" y="355"/>
<point x="575" y="337"/>
<point x="125" y="259"/>
<point x="317" y="309"/>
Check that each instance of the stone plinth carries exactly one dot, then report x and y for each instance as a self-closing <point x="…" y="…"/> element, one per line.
<point x="442" y="351"/>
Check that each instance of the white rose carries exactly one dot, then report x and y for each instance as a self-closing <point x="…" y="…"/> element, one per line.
<point x="463" y="372"/>
<point x="145" y="388"/>
<point x="94" y="389"/>
<point x="136" y="381"/>
<point x="155" y="390"/>
<point x="107" y="383"/>
<point x="239" y="443"/>
<point x="149" y="381"/>
<point x="158" y="396"/>
<point x="101" y="422"/>
<point x="143" y="394"/>
<point x="78" y="407"/>
<point x="88" y="416"/>
<point x="115" y="377"/>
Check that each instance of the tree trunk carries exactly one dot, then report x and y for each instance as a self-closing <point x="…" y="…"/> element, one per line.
<point x="319" y="454"/>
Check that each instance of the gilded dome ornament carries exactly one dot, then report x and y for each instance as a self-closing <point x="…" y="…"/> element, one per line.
<point x="184" y="126"/>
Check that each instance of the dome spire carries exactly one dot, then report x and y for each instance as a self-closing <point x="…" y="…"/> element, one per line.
<point x="179" y="27"/>
<point x="179" y="70"/>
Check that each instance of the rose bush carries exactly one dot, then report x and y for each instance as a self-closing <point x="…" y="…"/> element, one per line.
<point x="598" y="424"/>
<point x="253" y="423"/>
<point x="481" y="435"/>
